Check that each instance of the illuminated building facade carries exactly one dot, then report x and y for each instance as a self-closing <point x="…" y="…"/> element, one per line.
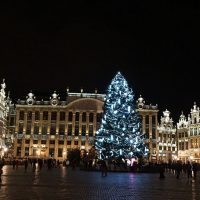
<point x="149" y="119"/>
<point x="52" y="128"/>
<point x="167" y="142"/>
<point x="182" y="138"/>
<point x="189" y="136"/>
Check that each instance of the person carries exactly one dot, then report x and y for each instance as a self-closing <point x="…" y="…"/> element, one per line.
<point x="1" y="168"/>
<point x="40" y="164"/>
<point x="26" y="164"/>
<point x="189" y="170"/>
<point x="14" y="163"/>
<point x="195" y="169"/>
<point x="67" y="163"/>
<point x="103" y="168"/>
<point x="162" y="171"/>
<point x="178" y="168"/>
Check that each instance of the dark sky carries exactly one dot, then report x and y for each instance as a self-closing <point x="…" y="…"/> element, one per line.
<point x="155" y="44"/>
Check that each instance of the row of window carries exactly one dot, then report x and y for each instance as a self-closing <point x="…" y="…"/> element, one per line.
<point x="164" y="148"/>
<point x="193" y="131"/>
<point x="183" y="146"/>
<point x="35" y="152"/>
<point x="62" y="116"/>
<point x="182" y="135"/>
<point x="147" y="119"/>
<point x="61" y="142"/>
<point x="77" y="128"/>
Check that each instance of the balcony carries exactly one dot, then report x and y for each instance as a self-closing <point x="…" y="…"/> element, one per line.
<point x="19" y="136"/>
<point x="61" y="137"/>
<point x="43" y="137"/>
<point x="35" y="137"/>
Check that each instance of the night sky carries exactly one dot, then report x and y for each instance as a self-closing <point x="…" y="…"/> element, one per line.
<point x="49" y="46"/>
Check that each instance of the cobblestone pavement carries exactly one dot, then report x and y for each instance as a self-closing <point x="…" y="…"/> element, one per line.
<point x="65" y="183"/>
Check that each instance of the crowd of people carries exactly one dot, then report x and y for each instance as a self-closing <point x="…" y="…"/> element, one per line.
<point x="178" y="168"/>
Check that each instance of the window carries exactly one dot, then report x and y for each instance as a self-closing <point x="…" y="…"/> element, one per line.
<point x="75" y="142"/>
<point x="53" y="129"/>
<point x="45" y="115"/>
<point x="12" y="121"/>
<point x="191" y="143"/>
<point x="19" y="141"/>
<point x="28" y="129"/>
<point x="35" y="141"/>
<point x="90" y="130"/>
<point x="69" y="129"/>
<point x="43" y="141"/>
<point x="69" y="142"/>
<point x="21" y="126"/>
<point x="62" y="116"/>
<point x="83" y="130"/>
<point x="76" y="130"/>
<point x="19" y="151"/>
<point x="36" y="129"/>
<point x="173" y="148"/>
<point x="53" y="116"/>
<point x="77" y="116"/>
<point x="44" y="129"/>
<point x="91" y="117"/>
<point x="62" y="129"/>
<point x="61" y="142"/>
<point x="52" y="141"/>
<point x="182" y="145"/>
<point x="82" y="143"/>
<point x="37" y="115"/>
<point x="186" y="134"/>
<point x="153" y="120"/>
<point x="84" y="117"/>
<point x="26" y="151"/>
<point x="160" y="148"/>
<point x="21" y="115"/>
<point x="153" y="133"/>
<point x="70" y="116"/>
<point x="195" y="131"/>
<point x="186" y="145"/>
<point x="147" y="119"/>
<point x="60" y="152"/>
<point x="27" y="141"/>
<point x="29" y="116"/>
<point x="169" y="148"/>
<point x="51" y="152"/>
<point x="165" y="148"/>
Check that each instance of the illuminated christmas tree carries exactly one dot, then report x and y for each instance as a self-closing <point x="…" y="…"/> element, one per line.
<point x="119" y="134"/>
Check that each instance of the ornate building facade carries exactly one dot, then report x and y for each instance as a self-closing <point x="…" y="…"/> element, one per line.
<point x="149" y="119"/>
<point x="189" y="136"/>
<point x="167" y="142"/>
<point x="52" y="128"/>
<point x="183" y="139"/>
<point x="194" y="134"/>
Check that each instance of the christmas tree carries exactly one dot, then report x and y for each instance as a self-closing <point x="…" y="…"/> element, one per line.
<point x="119" y="134"/>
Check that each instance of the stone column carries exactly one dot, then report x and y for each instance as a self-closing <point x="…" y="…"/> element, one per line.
<point x="40" y="123"/>
<point x="150" y="137"/>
